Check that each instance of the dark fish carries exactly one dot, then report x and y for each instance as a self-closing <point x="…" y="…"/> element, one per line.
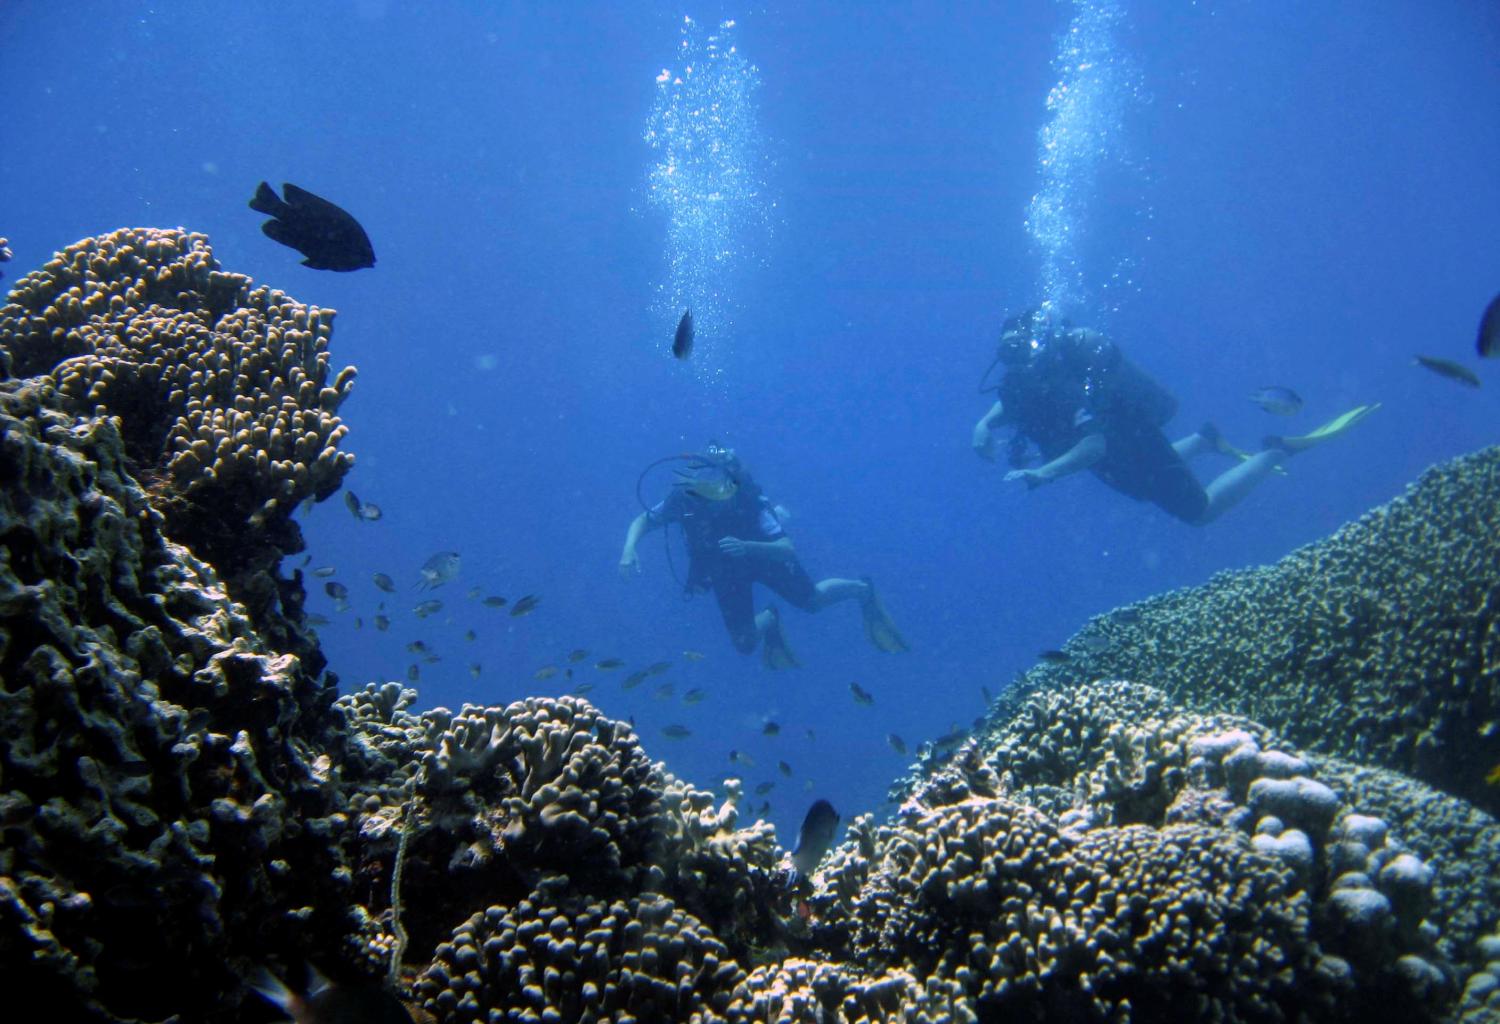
<point x="608" y="664"/>
<point x="896" y="742"/>
<point x="676" y="732"/>
<point x="545" y="672"/>
<point x="439" y="569"/>
<point x="656" y="668"/>
<point x="1278" y="401"/>
<point x="1489" y="330"/>
<point x="318" y="620"/>
<point x="693" y="696"/>
<point x="370" y="512"/>
<point x="770" y="729"/>
<point x="524" y="605"/>
<point x="414" y="672"/>
<point x="327" y="1003"/>
<point x="427" y="608"/>
<point x="322" y="572"/>
<point x="861" y="695"/>
<point x="475" y="668"/>
<point x="784" y="768"/>
<point x="578" y="655"/>
<point x="328" y="236"/>
<point x="1054" y="657"/>
<point x="382" y="622"/>
<point x="417" y="647"/>
<point x="583" y="688"/>
<point x="815" y="837"/>
<point x="951" y="740"/>
<point x="744" y="759"/>
<point x="811" y="736"/>
<point x="470" y="635"/>
<point x="682" y="341"/>
<point x="988" y="697"/>
<point x="1448" y="368"/>
<point x="495" y="602"/>
<point x="352" y="503"/>
<point x="634" y="679"/>
<point x="764" y="788"/>
<point x="336" y="590"/>
<point x="663" y="692"/>
<point x="384" y="582"/>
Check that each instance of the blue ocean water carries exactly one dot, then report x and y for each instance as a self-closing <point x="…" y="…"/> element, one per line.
<point x="853" y="199"/>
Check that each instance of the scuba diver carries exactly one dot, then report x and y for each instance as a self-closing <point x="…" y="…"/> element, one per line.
<point x="1071" y="392"/>
<point x="735" y="539"/>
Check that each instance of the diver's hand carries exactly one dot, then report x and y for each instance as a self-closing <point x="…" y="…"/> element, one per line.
<point x="1032" y="477"/>
<point x="984" y="441"/>
<point x="733" y="547"/>
<point x="630" y="563"/>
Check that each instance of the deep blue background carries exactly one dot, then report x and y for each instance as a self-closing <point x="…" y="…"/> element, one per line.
<point x="1323" y="201"/>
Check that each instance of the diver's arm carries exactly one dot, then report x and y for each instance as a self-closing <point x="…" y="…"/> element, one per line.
<point x="1079" y="457"/>
<point x="639" y="527"/>
<point x="984" y="432"/>
<point x="778" y="550"/>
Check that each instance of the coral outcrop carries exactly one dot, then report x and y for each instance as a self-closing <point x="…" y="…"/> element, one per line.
<point x="222" y="390"/>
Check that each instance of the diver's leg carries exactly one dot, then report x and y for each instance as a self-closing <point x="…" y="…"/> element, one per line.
<point x="1231" y="486"/>
<point x="738" y="610"/>
<point x="1206" y="440"/>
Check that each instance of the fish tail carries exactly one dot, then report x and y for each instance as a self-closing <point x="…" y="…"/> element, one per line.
<point x="267" y="201"/>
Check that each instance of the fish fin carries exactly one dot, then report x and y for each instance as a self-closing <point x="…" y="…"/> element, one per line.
<point x="280" y="231"/>
<point x="267" y="201"/>
<point x="300" y="196"/>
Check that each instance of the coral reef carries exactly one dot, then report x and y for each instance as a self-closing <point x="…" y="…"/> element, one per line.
<point x="1379" y="644"/>
<point x="221" y="390"/>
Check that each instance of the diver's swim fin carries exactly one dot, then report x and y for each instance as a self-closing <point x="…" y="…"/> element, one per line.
<point x="878" y="625"/>
<point x="775" y="652"/>
<point x="1333" y="428"/>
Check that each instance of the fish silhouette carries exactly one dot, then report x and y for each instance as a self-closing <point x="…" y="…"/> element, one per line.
<point x="326" y="234"/>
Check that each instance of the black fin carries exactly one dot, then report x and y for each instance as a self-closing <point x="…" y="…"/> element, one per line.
<point x="267" y="201"/>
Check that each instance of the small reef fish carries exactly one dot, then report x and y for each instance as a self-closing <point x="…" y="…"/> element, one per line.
<point x="950" y="741"/>
<point x="896" y="742"/>
<point x="784" y="768"/>
<point x="739" y="758"/>
<point x="578" y="655"/>
<point x="439" y="569"/>
<point x="353" y="504"/>
<point x="427" y="608"/>
<point x="1277" y="401"/>
<point x="693" y="696"/>
<point x="989" y="698"/>
<point x="524" y="605"/>
<point x="1448" y="368"/>
<point x="382" y="622"/>
<point x="413" y="672"/>
<point x="326" y="234"/>
<point x="861" y="695"/>
<point x="475" y="669"/>
<point x="656" y="668"/>
<point x="418" y="647"/>
<point x="608" y="664"/>
<point x="1488" y="344"/>
<point x="694" y="655"/>
<point x="545" y="672"/>
<point x="336" y="590"/>
<point x="676" y="732"/>
<point x="473" y="594"/>
<point x="682" y="341"/>
<point x="764" y="788"/>
<point x="370" y="512"/>
<point x="1053" y="656"/>
<point x="318" y="620"/>
<point x="327" y="1003"/>
<point x="322" y="572"/>
<point x="384" y="582"/>
<point x="1094" y="643"/>
<point x="633" y="680"/>
<point x="583" y="688"/>
<point x="495" y="602"/>
<point x="811" y="736"/>
<point x="770" y="728"/>
<point x="814" y="838"/>
<point x="663" y="692"/>
<point x="470" y="635"/>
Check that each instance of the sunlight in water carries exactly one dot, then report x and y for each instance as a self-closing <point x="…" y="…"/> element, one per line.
<point x="1082" y="141"/>
<point x="707" y="178"/>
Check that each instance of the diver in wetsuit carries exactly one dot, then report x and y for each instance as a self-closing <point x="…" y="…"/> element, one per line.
<point x="1071" y="392"/>
<point x="735" y="539"/>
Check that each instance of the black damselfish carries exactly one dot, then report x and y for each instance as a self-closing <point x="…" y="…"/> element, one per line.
<point x="1489" y="329"/>
<point x="682" y="341"/>
<point x="326" y="234"/>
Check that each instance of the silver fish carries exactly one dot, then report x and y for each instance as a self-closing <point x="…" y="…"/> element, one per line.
<point x="439" y="569"/>
<point x="427" y="608"/>
<point x="1278" y="401"/>
<point x="385" y="583"/>
<point x="1448" y="368"/>
<point x="370" y="512"/>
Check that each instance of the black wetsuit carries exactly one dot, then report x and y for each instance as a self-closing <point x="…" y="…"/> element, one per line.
<point x="748" y="516"/>
<point x="1079" y="384"/>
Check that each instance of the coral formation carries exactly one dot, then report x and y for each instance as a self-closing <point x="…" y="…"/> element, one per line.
<point x="222" y="390"/>
<point x="1379" y="644"/>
